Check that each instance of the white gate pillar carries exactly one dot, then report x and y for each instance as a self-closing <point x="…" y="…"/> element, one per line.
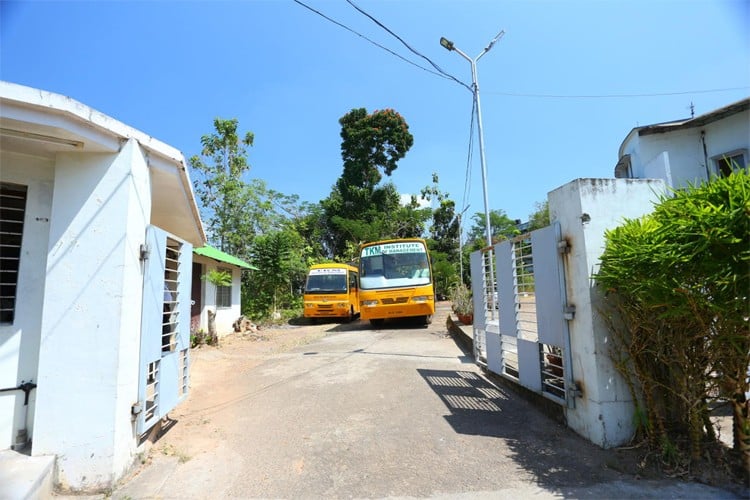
<point x="585" y="209"/>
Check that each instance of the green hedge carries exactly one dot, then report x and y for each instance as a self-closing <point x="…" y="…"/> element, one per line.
<point x="676" y="286"/>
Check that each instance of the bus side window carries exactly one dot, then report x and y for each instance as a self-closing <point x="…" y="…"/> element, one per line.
<point x="352" y="281"/>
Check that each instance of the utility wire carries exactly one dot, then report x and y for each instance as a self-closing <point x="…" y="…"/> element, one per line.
<point x="447" y="77"/>
<point x="613" y="96"/>
<point x="467" y="177"/>
<point x="438" y="68"/>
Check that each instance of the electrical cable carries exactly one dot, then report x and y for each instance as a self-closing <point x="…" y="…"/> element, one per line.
<point x="440" y="70"/>
<point x="447" y="77"/>
<point x="469" y="156"/>
<point x="613" y="96"/>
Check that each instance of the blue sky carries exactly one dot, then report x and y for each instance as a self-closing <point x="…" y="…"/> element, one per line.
<point x="288" y="75"/>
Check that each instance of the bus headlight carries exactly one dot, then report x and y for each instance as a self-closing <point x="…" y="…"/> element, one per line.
<point x="369" y="303"/>
<point x="342" y="305"/>
<point x="309" y="305"/>
<point x="420" y="299"/>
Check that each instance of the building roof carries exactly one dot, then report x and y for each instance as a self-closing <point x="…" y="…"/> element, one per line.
<point x="42" y="123"/>
<point x="218" y="255"/>
<point x="687" y="123"/>
<point x="698" y="121"/>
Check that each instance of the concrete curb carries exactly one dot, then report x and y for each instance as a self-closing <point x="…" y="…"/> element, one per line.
<point x="25" y="477"/>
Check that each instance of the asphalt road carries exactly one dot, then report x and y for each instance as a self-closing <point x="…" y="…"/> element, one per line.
<point x="400" y="412"/>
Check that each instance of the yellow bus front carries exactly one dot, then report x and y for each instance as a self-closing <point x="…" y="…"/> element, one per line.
<point x="331" y="292"/>
<point x="396" y="281"/>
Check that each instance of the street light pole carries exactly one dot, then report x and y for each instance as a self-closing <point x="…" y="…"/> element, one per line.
<point x="447" y="44"/>
<point x="490" y="290"/>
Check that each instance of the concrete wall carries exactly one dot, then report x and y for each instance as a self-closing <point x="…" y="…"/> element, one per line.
<point x="585" y="209"/>
<point x="225" y="316"/>
<point x="89" y="352"/>
<point x="19" y="342"/>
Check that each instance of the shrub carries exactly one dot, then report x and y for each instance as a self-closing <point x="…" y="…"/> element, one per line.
<point x="461" y="301"/>
<point x="676" y="288"/>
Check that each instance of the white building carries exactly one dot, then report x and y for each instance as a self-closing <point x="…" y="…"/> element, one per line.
<point x="688" y="151"/>
<point x="225" y="301"/>
<point x="98" y="224"/>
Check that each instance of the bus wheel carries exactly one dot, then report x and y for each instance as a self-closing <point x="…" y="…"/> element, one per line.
<point x="377" y="323"/>
<point x="350" y="318"/>
<point x="428" y="319"/>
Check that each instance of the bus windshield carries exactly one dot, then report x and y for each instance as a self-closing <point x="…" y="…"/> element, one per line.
<point x="326" y="281"/>
<point x="390" y="265"/>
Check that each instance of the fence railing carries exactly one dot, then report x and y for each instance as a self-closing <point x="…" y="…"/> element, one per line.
<point x="508" y="333"/>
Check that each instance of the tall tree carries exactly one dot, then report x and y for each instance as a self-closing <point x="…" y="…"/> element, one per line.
<point x="539" y="218"/>
<point x="278" y="255"/>
<point x="443" y="237"/>
<point x="233" y="207"/>
<point x="445" y="225"/>
<point x="219" y="185"/>
<point x="371" y="146"/>
<point x="503" y="227"/>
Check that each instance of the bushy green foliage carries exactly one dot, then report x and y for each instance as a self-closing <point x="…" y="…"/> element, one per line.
<point x="461" y="299"/>
<point x="218" y="278"/>
<point x="677" y="283"/>
<point x="502" y="226"/>
<point x="280" y="277"/>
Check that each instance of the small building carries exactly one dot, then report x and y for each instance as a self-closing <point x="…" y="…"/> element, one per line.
<point x="690" y="150"/>
<point x="98" y="226"/>
<point x="225" y="301"/>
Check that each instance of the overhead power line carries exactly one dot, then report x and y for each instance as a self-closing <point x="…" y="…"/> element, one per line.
<point x="469" y="154"/>
<point x="438" y="68"/>
<point x="347" y="28"/>
<point x="613" y="96"/>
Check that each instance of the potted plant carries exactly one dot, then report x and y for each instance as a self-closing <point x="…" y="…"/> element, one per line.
<point x="462" y="304"/>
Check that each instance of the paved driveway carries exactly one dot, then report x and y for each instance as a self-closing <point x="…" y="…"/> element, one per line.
<point x="400" y="412"/>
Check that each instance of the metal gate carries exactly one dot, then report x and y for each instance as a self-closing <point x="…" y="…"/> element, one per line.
<point x="531" y="345"/>
<point x="165" y="326"/>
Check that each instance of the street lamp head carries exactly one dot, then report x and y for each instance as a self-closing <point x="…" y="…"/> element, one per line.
<point x="446" y="43"/>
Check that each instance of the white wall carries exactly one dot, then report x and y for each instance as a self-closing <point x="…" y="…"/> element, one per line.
<point x="88" y="361"/>
<point x="585" y="208"/>
<point x="225" y="316"/>
<point x="686" y="157"/>
<point x="729" y="134"/>
<point x="19" y="342"/>
<point x="659" y="168"/>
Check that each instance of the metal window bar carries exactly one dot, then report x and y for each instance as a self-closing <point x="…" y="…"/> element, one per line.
<point x="553" y="372"/>
<point x="170" y="316"/>
<point x="489" y="284"/>
<point x="12" y="213"/>
<point x="509" y="355"/>
<point x="183" y="372"/>
<point x="152" y="390"/>
<point x="523" y="287"/>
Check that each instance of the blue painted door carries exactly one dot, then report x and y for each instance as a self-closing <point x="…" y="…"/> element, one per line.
<point x="165" y="326"/>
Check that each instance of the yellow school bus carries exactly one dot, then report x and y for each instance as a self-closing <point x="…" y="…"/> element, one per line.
<point x="395" y="280"/>
<point x="332" y="291"/>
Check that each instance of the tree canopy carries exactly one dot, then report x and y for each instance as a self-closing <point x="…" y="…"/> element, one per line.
<point x="283" y="236"/>
<point x="371" y="146"/>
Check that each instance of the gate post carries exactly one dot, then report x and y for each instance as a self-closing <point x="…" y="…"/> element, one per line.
<point x="585" y="209"/>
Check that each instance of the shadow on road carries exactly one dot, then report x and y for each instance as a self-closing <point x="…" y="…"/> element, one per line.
<point x="555" y="455"/>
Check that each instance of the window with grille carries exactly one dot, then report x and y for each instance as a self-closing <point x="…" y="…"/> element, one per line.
<point x="170" y="316"/>
<point x="12" y="210"/>
<point x="224" y="293"/>
<point x="729" y="162"/>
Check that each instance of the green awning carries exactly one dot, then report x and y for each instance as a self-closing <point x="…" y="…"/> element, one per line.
<point x="216" y="254"/>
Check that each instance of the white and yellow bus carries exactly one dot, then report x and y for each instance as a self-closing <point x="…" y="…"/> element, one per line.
<point x="395" y="280"/>
<point x="332" y="291"/>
